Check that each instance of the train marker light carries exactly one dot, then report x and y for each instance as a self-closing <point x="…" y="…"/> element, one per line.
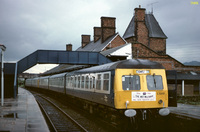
<point x="164" y="112"/>
<point x="130" y="113"/>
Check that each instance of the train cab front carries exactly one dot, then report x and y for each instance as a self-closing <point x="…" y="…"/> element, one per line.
<point x="141" y="90"/>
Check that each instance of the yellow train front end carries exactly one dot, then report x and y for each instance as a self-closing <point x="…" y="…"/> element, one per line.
<point x="141" y="89"/>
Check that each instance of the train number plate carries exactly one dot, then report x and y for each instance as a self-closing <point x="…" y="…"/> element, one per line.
<point x="143" y="96"/>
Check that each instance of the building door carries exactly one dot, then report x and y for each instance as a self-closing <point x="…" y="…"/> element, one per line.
<point x="172" y="87"/>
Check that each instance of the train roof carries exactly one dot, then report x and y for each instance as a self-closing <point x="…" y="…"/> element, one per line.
<point x="125" y="64"/>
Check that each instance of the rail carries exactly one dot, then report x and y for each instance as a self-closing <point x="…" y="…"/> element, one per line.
<point x="59" y="119"/>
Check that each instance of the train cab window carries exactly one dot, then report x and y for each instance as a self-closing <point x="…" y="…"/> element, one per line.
<point x="131" y="82"/>
<point x="154" y="82"/>
<point x="98" y="82"/>
<point x="106" y="81"/>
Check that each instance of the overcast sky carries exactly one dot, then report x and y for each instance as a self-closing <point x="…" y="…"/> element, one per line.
<point x="29" y="25"/>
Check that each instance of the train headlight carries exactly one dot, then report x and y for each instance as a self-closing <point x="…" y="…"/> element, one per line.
<point x="164" y="112"/>
<point x="130" y="113"/>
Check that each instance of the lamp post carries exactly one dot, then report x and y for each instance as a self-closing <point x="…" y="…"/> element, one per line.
<point x="3" y="48"/>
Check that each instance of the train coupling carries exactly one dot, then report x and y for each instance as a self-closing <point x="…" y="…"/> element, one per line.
<point x="164" y="111"/>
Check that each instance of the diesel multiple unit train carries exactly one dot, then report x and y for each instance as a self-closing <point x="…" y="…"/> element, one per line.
<point x="134" y="87"/>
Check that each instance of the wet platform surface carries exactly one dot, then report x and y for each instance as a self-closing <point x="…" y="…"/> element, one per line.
<point x="22" y="114"/>
<point x="191" y="111"/>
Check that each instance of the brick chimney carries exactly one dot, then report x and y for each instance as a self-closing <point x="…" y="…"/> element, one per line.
<point x="141" y="31"/>
<point x="97" y="33"/>
<point x="68" y="47"/>
<point x="107" y="28"/>
<point x="85" y="40"/>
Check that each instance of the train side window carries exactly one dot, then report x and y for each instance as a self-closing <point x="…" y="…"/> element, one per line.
<point x="154" y="82"/>
<point x="67" y="82"/>
<point x="74" y="81"/>
<point x="106" y="78"/>
<point x="92" y="81"/>
<point x="87" y="82"/>
<point x="98" y="82"/>
<point x="78" y="82"/>
<point x="82" y="81"/>
<point x="131" y="82"/>
<point x="71" y="82"/>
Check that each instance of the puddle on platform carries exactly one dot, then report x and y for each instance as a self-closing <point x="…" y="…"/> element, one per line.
<point x="10" y="115"/>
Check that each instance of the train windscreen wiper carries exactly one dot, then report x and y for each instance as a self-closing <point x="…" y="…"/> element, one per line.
<point x="154" y="80"/>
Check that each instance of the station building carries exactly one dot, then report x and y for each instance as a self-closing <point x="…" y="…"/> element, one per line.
<point x="143" y="39"/>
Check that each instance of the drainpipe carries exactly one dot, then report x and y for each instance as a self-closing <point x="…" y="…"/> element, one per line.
<point x="3" y="48"/>
<point x="182" y="87"/>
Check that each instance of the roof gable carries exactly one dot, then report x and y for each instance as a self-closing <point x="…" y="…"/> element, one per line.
<point x="97" y="46"/>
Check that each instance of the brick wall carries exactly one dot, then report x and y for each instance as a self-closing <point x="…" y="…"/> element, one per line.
<point x="141" y="31"/>
<point x="188" y="90"/>
<point x="158" y="45"/>
<point x="117" y="41"/>
<point x="141" y="51"/>
<point x="85" y="40"/>
<point x="140" y="14"/>
<point x="97" y="33"/>
<point x="107" y="27"/>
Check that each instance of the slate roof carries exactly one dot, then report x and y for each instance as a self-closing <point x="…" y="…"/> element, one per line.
<point x="185" y="76"/>
<point x="97" y="46"/>
<point x="153" y="26"/>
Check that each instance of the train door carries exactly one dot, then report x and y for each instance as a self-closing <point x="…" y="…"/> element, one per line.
<point x="172" y="87"/>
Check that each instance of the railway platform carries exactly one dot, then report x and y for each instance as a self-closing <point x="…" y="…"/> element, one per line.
<point x="22" y="114"/>
<point x="186" y="110"/>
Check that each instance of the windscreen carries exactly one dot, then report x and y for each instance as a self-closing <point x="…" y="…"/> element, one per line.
<point x="154" y="82"/>
<point x="131" y="82"/>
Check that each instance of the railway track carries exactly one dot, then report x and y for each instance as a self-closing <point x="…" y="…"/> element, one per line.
<point x="59" y="120"/>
